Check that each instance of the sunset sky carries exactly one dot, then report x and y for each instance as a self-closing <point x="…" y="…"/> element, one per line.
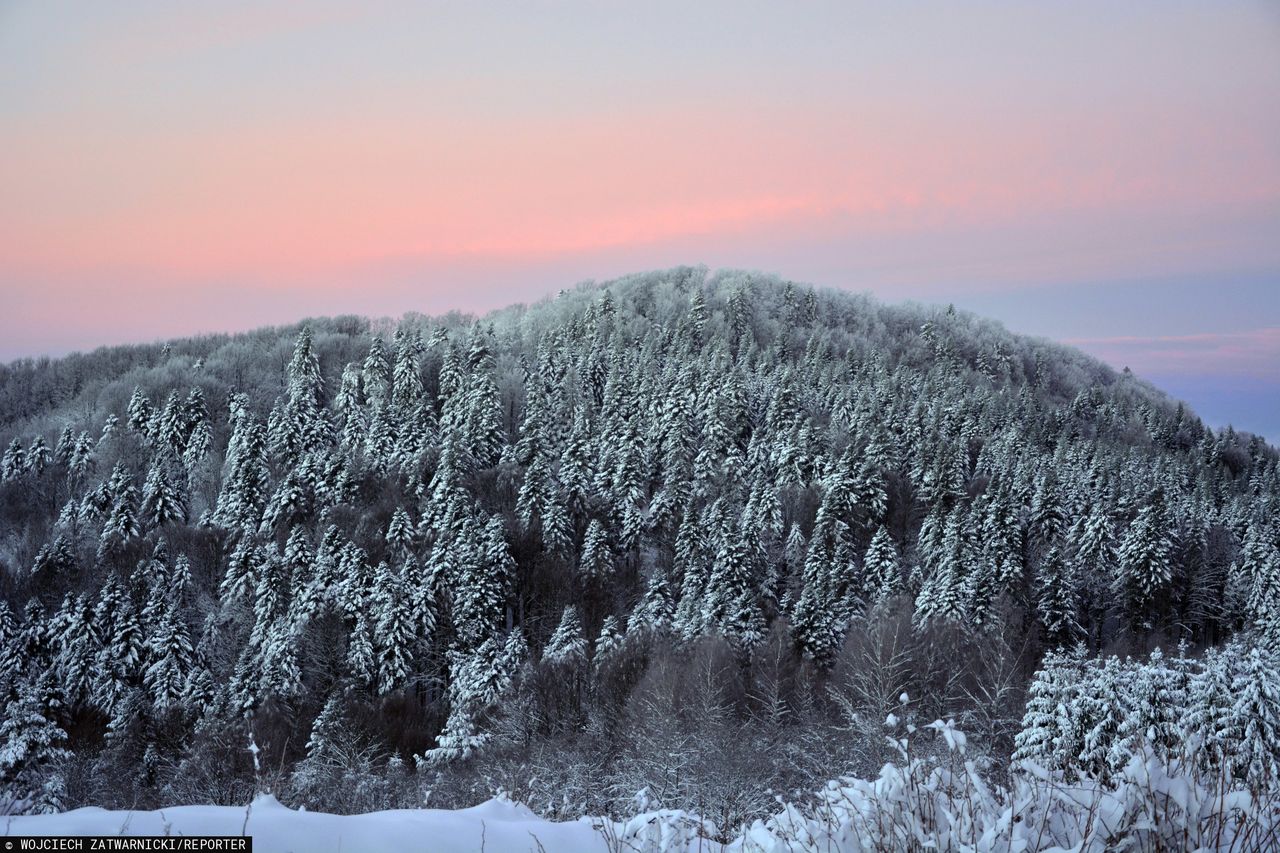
<point x="1106" y="174"/>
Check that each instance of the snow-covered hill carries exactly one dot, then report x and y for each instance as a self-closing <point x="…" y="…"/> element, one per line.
<point x="685" y="534"/>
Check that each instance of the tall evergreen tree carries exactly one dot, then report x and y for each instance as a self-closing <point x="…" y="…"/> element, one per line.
<point x="567" y="645"/>
<point x="394" y="630"/>
<point x="597" y="557"/>
<point x="1057" y="599"/>
<point x="162" y="503"/>
<point x="31" y="745"/>
<point x="1145" y="570"/>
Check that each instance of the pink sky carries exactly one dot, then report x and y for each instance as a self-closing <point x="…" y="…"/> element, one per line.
<point x="204" y="167"/>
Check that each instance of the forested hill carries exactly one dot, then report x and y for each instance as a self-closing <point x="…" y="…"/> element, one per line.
<point x="480" y="544"/>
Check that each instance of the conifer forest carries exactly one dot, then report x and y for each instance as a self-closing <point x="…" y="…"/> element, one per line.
<point x="778" y="567"/>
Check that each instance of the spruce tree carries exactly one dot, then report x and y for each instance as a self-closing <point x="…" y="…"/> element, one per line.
<point x="323" y="757"/>
<point x="121" y="525"/>
<point x="55" y="560"/>
<point x="1259" y="562"/>
<point x="400" y="532"/>
<point x="376" y="372"/>
<point x="394" y="630"/>
<point x="655" y="612"/>
<point x="78" y="644"/>
<point x="567" y="645"/>
<point x="1253" y="723"/>
<point x="882" y="566"/>
<point x="170" y="659"/>
<point x="477" y="680"/>
<point x="1100" y="712"/>
<point x="1056" y="599"/>
<point x="162" y="503"/>
<point x="731" y="603"/>
<point x="14" y="463"/>
<point x="1145" y="570"/>
<point x="1046" y="725"/>
<point x="609" y="642"/>
<point x="124" y="646"/>
<point x="31" y="746"/>
<point x="597" y="558"/>
<point x="38" y="456"/>
<point x="246" y="477"/>
<point x="140" y="413"/>
<point x="1211" y="706"/>
<point x="362" y="662"/>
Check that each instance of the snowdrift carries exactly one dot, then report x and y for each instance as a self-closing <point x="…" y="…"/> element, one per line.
<point x="497" y="826"/>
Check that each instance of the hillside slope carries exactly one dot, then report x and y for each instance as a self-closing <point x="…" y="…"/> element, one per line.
<point x="533" y="552"/>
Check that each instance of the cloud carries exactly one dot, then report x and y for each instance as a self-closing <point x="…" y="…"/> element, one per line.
<point x="1251" y="353"/>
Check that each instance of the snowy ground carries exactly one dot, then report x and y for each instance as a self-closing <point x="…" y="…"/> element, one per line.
<point x="497" y="826"/>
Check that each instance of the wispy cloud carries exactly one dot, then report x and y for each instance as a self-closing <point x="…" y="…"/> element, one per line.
<point x="1249" y="353"/>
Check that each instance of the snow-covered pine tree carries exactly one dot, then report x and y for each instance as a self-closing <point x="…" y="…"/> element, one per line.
<point x="694" y="571"/>
<point x="1002" y="535"/>
<point x="824" y="605"/>
<point x="869" y="493"/>
<point x="246" y="479"/>
<point x="394" y="630"/>
<point x="1253" y="724"/>
<point x="362" y="660"/>
<point x="78" y="645"/>
<point x="477" y="680"/>
<point x="31" y="746"/>
<point x="123" y="649"/>
<point x="731" y="603"/>
<point x="1098" y="713"/>
<point x="478" y="589"/>
<point x="121" y="525"/>
<point x="400" y="532"/>
<point x="54" y="560"/>
<point x="596" y="561"/>
<point x="1259" y="562"/>
<point x="539" y="503"/>
<point x="406" y="372"/>
<point x="65" y="445"/>
<point x="241" y="576"/>
<point x="1056" y="599"/>
<point x="14" y="462"/>
<point x="1210" y="708"/>
<point x="482" y="430"/>
<point x="945" y="592"/>
<point x="577" y="473"/>
<point x="324" y="760"/>
<point x="1047" y="520"/>
<point x="567" y="645"/>
<point x="38" y="456"/>
<point x="139" y="413"/>
<point x="609" y="641"/>
<point x="199" y="444"/>
<point x="1145" y="570"/>
<point x="655" y="612"/>
<point x="350" y="406"/>
<point x="1047" y="725"/>
<point x="170" y="658"/>
<point x="162" y="502"/>
<point x="697" y="316"/>
<point x="882" y="567"/>
<point x="376" y="372"/>
<point x="1151" y="705"/>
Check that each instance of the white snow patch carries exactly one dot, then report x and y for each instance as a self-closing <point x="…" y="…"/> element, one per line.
<point x="496" y="826"/>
